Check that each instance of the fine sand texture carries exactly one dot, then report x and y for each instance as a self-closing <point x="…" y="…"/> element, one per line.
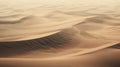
<point x="60" y="33"/>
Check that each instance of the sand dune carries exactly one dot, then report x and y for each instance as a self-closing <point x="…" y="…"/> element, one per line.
<point x="59" y="33"/>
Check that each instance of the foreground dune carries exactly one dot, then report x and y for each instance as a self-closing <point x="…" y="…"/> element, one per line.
<point x="63" y="33"/>
<point x="104" y="58"/>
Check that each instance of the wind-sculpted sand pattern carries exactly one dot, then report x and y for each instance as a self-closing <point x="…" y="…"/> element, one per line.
<point x="59" y="33"/>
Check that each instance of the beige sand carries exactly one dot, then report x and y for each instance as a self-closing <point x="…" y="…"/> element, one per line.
<point x="88" y="33"/>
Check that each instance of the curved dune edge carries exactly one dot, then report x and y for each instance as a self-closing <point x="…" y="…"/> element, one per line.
<point x="33" y="32"/>
<point x="26" y="37"/>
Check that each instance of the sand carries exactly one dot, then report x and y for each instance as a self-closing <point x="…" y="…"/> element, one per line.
<point x="59" y="33"/>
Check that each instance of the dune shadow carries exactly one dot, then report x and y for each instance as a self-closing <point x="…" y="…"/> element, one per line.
<point x="55" y="41"/>
<point x="117" y="46"/>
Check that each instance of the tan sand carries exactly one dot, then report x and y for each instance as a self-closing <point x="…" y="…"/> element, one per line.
<point x="59" y="33"/>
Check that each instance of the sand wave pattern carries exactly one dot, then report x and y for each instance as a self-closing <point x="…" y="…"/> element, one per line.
<point x="57" y="30"/>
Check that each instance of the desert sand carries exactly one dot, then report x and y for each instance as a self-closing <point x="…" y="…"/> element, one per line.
<point x="59" y="33"/>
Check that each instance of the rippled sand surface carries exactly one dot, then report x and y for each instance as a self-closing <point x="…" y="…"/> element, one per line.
<point x="59" y="33"/>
